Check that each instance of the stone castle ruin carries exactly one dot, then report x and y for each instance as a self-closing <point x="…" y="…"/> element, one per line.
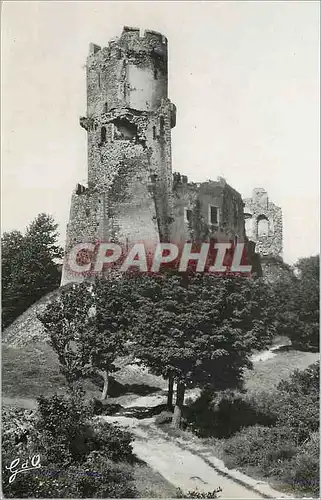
<point x="132" y="193"/>
<point x="263" y="223"/>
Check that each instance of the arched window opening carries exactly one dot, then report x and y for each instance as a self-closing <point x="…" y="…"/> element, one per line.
<point x="154" y="132"/>
<point x="105" y="107"/>
<point x="103" y="134"/>
<point x="262" y="225"/>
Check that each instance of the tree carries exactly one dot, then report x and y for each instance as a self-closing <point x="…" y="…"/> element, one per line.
<point x="11" y="249"/>
<point x="86" y="325"/>
<point x="307" y="304"/>
<point x="29" y="266"/>
<point x="67" y="320"/>
<point x="106" y="339"/>
<point x="199" y="329"/>
<point x="296" y="303"/>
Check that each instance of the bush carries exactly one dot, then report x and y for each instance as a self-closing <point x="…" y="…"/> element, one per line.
<point x="223" y="414"/>
<point x="289" y="450"/>
<point x="302" y="472"/>
<point x="260" y="446"/>
<point x="111" y="441"/>
<point x="97" y="477"/>
<point x="297" y="402"/>
<point x="16" y="425"/>
<point x="80" y="458"/>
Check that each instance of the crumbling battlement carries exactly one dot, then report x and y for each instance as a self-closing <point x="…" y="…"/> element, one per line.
<point x="130" y="72"/>
<point x="133" y="39"/>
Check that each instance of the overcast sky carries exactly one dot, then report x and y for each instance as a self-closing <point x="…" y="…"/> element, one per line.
<point x="243" y="75"/>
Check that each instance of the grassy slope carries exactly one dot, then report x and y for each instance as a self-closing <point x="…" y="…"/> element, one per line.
<point x="33" y="370"/>
<point x="267" y="374"/>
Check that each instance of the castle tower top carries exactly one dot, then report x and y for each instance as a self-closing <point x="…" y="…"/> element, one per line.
<point x="131" y="72"/>
<point x="133" y="39"/>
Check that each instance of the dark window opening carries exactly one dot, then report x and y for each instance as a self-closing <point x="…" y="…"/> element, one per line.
<point x="124" y="130"/>
<point x="155" y="73"/>
<point x="213" y="215"/>
<point x="98" y="79"/>
<point x="103" y="134"/>
<point x="187" y="215"/>
<point x="154" y="132"/>
<point x="161" y="125"/>
<point x="105" y="107"/>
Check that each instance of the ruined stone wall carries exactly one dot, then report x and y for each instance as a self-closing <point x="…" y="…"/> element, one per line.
<point x="197" y="198"/>
<point x="264" y="226"/>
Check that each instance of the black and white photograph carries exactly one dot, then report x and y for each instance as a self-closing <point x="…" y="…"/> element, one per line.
<point x="160" y="249"/>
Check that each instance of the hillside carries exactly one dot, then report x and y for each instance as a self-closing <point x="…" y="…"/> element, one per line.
<point x="33" y="369"/>
<point x="27" y="328"/>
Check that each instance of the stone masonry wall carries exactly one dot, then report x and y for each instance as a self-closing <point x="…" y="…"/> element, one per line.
<point x="197" y="198"/>
<point x="264" y="226"/>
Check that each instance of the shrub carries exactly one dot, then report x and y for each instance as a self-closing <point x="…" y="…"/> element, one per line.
<point x="16" y="425"/>
<point x="80" y="458"/>
<point x="223" y="414"/>
<point x="297" y="402"/>
<point x="302" y="472"/>
<point x="260" y="446"/>
<point x="97" y="477"/>
<point x="111" y="441"/>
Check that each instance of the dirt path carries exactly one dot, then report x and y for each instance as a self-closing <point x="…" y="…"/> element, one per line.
<point x="180" y="467"/>
<point x="186" y="466"/>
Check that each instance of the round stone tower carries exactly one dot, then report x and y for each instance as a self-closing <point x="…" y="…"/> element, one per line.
<point x="128" y="123"/>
